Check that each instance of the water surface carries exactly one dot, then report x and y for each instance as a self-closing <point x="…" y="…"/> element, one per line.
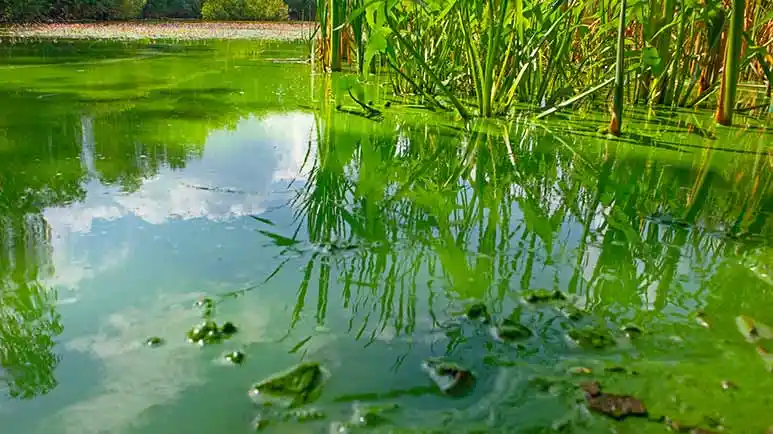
<point x="136" y="178"/>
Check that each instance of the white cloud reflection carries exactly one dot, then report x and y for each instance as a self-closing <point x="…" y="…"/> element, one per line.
<point x="135" y="379"/>
<point x="241" y="171"/>
<point x="247" y="160"/>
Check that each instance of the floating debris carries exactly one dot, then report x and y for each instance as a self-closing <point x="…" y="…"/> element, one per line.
<point x="260" y="423"/>
<point x="477" y="311"/>
<point x="677" y="426"/>
<point x="668" y="220"/>
<point x="371" y="415"/>
<point x="767" y="357"/>
<point x="617" y="369"/>
<point x="543" y="296"/>
<point x="339" y="427"/>
<point x="206" y="305"/>
<point x="579" y="370"/>
<point x="547" y="384"/>
<point x="510" y="330"/>
<point x="302" y="415"/>
<point x="208" y="332"/>
<point x="154" y="342"/>
<point x="572" y="312"/>
<point x="235" y="357"/>
<point x="632" y="331"/>
<point x="591" y="338"/>
<point x="228" y="329"/>
<point x="591" y="388"/>
<point x="617" y="406"/>
<point x="291" y="388"/>
<point x="729" y="385"/>
<point x="701" y="319"/>
<point x="753" y="330"/>
<point x="204" y="333"/>
<point x="449" y="377"/>
<point x="269" y="417"/>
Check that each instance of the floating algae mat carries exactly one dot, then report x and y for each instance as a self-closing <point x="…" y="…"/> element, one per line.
<point x="187" y="225"/>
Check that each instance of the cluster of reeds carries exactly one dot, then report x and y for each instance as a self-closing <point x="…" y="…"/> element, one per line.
<point x="489" y="58"/>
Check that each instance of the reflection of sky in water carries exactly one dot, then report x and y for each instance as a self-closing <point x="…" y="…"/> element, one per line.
<point x="255" y="162"/>
<point x="156" y="249"/>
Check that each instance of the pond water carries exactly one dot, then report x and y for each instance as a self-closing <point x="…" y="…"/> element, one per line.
<point x="136" y="179"/>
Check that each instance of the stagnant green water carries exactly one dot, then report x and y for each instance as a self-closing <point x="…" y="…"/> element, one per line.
<point x="135" y="179"/>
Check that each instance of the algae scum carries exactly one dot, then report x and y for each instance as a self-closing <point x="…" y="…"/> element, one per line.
<point x="206" y="237"/>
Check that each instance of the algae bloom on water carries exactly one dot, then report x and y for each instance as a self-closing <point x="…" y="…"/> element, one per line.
<point x="510" y="330"/>
<point x="543" y="296"/>
<point x="591" y="337"/>
<point x="294" y="387"/>
<point x="477" y="311"/>
<point x="234" y="357"/>
<point x="450" y="378"/>
<point x="154" y="342"/>
<point x="209" y="332"/>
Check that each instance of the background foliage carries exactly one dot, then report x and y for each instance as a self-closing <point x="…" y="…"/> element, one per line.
<point x="244" y="10"/>
<point x="172" y="9"/>
<point x="56" y="10"/>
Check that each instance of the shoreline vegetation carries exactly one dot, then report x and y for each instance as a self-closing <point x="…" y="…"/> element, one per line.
<point x="483" y="58"/>
<point x="489" y="58"/>
<point x="169" y="29"/>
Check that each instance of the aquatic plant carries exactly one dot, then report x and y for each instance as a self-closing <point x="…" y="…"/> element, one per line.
<point x="488" y="57"/>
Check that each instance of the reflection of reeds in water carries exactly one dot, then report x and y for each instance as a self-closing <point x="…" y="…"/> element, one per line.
<point x="484" y="213"/>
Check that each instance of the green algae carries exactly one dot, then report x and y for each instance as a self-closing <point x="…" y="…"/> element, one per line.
<point x="293" y="387"/>
<point x="398" y="219"/>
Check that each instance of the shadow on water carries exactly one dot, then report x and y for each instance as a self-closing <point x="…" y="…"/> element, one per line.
<point x="47" y="52"/>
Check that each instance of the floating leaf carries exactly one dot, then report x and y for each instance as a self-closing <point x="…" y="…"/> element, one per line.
<point x="477" y="311"/>
<point x="449" y="377"/>
<point x="510" y="331"/>
<point x="291" y="388"/>
<point x="650" y="58"/>
<point x="154" y="342"/>
<point x="767" y="357"/>
<point x="617" y="406"/>
<point x="235" y="357"/>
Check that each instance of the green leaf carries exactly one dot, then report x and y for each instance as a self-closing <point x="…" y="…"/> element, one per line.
<point x="377" y="43"/>
<point x="650" y="58"/>
<point x="263" y="220"/>
<point x="367" y="6"/>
